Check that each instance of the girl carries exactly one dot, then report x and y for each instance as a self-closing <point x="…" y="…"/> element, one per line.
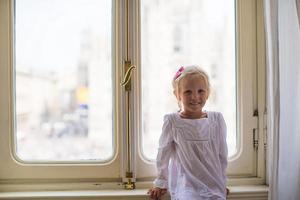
<point x="192" y="154"/>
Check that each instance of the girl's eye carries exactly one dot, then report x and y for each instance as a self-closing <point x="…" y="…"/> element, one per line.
<point x="188" y="92"/>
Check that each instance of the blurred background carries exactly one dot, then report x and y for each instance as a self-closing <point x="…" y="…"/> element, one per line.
<point x="63" y="72"/>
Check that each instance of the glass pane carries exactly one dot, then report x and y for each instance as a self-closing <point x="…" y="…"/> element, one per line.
<point x="63" y="80"/>
<point x="190" y="32"/>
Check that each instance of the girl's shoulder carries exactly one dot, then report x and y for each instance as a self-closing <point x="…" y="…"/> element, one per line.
<point x="171" y="117"/>
<point x="174" y="119"/>
<point x="216" y="118"/>
<point x="214" y="115"/>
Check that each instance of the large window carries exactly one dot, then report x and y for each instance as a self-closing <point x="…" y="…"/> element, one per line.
<point x="64" y="114"/>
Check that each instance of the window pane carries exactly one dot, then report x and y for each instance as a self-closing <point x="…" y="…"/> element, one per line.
<point x="63" y="80"/>
<point x="191" y="32"/>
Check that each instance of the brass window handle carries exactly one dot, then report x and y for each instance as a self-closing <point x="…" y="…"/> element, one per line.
<point x="127" y="77"/>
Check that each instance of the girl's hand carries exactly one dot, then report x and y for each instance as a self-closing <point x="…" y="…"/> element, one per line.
<point x="156" y="193"/>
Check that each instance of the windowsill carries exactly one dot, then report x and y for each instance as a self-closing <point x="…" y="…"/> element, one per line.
<point x="236" y="192"/>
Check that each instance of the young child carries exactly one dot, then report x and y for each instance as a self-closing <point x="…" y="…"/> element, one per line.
<point x="192" y="154"/>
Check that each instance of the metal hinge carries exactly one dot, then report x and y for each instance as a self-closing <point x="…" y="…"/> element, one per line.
<point x="265" y="125"/>
<point x="255" y="130"/>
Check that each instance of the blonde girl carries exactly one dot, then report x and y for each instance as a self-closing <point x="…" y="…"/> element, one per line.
<point x="192" y="155"/>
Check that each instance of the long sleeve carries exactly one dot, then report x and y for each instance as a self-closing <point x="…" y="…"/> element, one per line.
<point x="165" y="150"/>
<point x="223" y="151"/>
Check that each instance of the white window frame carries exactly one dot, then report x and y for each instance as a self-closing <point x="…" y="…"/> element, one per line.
<point x="14" y="169"/>
<point x="246" y="167"/>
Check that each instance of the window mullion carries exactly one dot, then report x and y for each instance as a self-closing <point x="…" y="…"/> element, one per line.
<point x="128" y="88"/>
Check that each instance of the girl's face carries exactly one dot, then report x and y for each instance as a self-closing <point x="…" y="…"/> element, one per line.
<point x="192" y="95"/>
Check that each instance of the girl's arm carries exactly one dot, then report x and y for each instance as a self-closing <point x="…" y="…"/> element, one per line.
<point x="223" y="151"/>
<point x="165" y="150"/>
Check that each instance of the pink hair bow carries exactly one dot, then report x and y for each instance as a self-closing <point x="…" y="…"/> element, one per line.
<point x="179" y="72"/>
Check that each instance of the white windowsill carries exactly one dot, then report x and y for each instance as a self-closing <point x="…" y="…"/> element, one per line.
<point x="237" y="192"/>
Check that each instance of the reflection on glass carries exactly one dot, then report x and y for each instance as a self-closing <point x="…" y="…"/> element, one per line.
<point x="63" y="80"/>
<point x="191" y="32"/>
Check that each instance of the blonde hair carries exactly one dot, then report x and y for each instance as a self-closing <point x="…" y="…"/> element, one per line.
<point x="188" y="71"/>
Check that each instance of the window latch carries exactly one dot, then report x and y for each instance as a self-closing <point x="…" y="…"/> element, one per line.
<point x="127" y="77"/>
<point x="255" y="131"/>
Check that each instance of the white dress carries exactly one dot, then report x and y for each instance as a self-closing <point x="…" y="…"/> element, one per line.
<point x="192" y="157"/>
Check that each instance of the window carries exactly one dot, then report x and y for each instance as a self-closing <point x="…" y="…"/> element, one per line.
<point x="58" y="78"/>
<point x="230" y="64"/>
<point x="63" y="80"/>
<point x="193" y="33"/>
<point x="87" y="108"/>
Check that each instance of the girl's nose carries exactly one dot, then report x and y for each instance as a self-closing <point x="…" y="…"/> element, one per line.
<point x="195" y="95"/>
